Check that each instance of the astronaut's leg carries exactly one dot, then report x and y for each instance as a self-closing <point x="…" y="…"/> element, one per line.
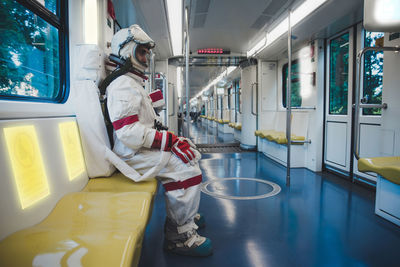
<point x="182" y="184"/>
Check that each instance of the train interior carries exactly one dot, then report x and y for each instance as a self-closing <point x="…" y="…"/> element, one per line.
<point x="307" y="180"/>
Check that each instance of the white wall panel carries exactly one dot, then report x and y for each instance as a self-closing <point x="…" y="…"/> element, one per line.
<point x="336" y="140"/>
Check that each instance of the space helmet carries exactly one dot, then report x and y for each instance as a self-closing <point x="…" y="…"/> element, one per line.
<point x="126" y="41"/>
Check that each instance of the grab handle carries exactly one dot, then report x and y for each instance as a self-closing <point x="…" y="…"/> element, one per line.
<point x="252" y="98"/>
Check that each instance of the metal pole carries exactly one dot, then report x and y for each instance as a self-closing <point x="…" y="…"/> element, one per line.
<point x="288" y="103"/>
<point x="152" y="71"/>
<point x="166" y="91"/>
<point x="187" y="72"/>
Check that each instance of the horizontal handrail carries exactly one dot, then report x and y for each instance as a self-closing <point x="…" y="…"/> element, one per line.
<point x="384" y="106"/>
<point x="313" y="108"/>
<point x="301" y="142"/>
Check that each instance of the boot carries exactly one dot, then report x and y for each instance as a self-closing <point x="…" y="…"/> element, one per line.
<point x="199" y="220"/>
<point x="185" y="240"/>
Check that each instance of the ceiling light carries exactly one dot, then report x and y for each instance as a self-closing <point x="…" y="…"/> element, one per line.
<point x="90" y="21"/>
<point x="255" y="49"/>
<point x="296" y="16"/>
<point x="174" y="10"/>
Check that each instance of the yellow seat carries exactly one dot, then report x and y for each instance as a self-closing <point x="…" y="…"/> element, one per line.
<point x="387" y="167"/>
<point x="225" y="121"/>
<point x="119" y="183"/>
<point x="84" y="229"/>
<point x="265" y="133"/>
<point x="238" y="127"/>
<point x="278" y="137"/>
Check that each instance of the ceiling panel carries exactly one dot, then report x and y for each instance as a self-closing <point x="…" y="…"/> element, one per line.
<point x="235" y="25"/>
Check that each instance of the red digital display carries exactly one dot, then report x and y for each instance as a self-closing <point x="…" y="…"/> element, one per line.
<point x="213" y="51"/>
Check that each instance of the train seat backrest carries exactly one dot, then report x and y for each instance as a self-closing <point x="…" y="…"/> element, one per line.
<point x="85" y="98"/>
<point x="299" y="123"/>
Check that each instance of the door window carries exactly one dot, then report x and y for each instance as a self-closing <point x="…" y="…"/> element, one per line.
<point x="373" y="74"/>
<point x="338" y="74"/>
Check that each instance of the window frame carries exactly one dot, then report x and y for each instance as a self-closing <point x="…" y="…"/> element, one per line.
<point x="60" y="22"/>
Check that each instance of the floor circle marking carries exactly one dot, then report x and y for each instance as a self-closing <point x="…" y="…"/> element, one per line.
<point x="275" y="188"/>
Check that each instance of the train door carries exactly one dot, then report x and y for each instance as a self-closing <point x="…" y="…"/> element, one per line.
<point x="339" y="86"/>
<point x="371" y="89"/>
<point x="338" y="118"/>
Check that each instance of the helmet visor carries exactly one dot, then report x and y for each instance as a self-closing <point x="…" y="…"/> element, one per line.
<point x="142" y="54"/>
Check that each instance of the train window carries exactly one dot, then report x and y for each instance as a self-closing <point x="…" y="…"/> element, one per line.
<point x="32" y="51"/>
<point x="373" y="73"/>
<point x="295" y="82"/>
<point x="338" y="74"/>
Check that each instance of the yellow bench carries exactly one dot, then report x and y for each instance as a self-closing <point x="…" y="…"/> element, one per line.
<point x="220" y="121"/>
<point x="278" y="137"/>
<point x="235" y="126"/>
<point x="387" y="167"/>
<point x="387" y="197"/>
<point x="103" y="225"/>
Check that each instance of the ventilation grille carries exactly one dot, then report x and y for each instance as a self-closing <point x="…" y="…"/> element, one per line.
<point x="274" y="9"/>
<point x="202" y="6"/>
<point x="200" y="12"/>
<point x="199" y="20"/>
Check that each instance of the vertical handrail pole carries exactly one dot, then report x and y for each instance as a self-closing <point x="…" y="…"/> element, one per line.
<point x="187" y="71"/>
<point x="152" y="71"/>
<point x="288" y="102"/>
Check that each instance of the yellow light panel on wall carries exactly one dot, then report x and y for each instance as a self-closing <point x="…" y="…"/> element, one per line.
<point x="27" y="164"/>
<point x="72" y="149"/>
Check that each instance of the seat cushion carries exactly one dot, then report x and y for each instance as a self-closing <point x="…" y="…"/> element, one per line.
<point x="119" y="183"/>
<point x="387" y="167"/>
<point x="84" y="229"/>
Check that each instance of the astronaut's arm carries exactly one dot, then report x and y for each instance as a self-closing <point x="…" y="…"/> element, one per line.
<point x="123" y="106"/>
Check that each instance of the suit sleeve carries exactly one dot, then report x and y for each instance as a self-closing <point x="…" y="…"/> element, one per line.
<point x="124" y="102"/>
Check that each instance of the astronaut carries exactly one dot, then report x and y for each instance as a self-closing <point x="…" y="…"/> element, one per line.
<point x="132" y="114"/>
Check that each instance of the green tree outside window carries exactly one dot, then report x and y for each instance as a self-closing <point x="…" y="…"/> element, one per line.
<point x="296" y="98"/>
<point x="29" y="52"/>
<point x="373" y="74"/>
<point x="338" y="75"/>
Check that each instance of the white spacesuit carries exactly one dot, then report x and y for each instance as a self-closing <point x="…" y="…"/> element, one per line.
<point x="136" y="141"/>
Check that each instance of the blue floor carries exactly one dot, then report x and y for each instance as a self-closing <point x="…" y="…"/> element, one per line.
<point x="209" y="135"/>
<point x="320" y="220"/>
